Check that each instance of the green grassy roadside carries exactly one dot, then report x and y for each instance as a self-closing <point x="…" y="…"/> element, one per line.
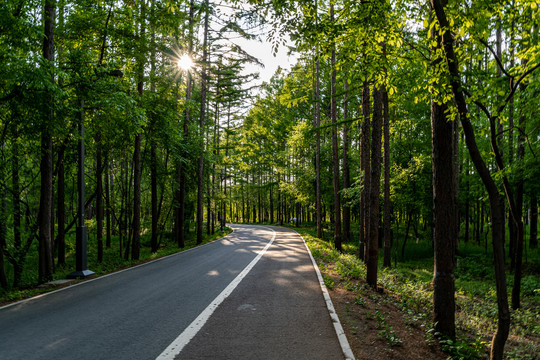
<point x="409" y="285"/>
<point x="112" y="261"/>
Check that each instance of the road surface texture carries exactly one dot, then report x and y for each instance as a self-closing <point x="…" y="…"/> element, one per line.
<point x="267" y="304"/>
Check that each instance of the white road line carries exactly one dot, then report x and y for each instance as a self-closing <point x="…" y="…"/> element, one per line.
<point x="189" y="333"/>
<point x="345" y="347"/>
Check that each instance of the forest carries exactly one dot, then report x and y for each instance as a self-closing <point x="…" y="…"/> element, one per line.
<point x="133" y="128"/>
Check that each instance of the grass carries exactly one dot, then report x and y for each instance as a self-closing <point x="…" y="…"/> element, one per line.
<point x="112" y="261"/>
<point x="476" y="308"/>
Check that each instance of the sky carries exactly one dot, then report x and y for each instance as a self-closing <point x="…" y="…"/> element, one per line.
<point x="263" y="51"/>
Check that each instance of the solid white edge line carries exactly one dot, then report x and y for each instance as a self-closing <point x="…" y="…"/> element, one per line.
<point x="113" y="273"/>
<point x="189" y="333"/>
<point x="345" y="347"/>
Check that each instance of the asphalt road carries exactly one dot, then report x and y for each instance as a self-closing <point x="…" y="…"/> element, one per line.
<point x="275" y="310"/>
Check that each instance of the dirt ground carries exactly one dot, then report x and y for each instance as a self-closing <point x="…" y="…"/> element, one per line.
<point x="377" y="329"/>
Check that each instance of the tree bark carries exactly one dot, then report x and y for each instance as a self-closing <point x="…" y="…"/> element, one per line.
<point x="374" y="189"/>
<point x="61" y="214"/>
<point x="495" y="200"/>
<point x="318" y="207"/>
<point x="200" y="167"/>
<point x="181" y="174"/>
<point x="99" y="197"/>
<point x="445" y="224"/>
<point x="335" y="148"/>
<point x="46" y="263"/>
<point x="3" y="228"/>
<point x="108" y="210"/>
<point x="317" y="124"/>
<point x="15" y="183"/>
<point x="364" y="164"/>
<point x="518" y="215"/>
<point x="153" y="154"/>
<point x="345" y="166"/>
<point x="387" y="210"/>
<point x="136" y="224"/>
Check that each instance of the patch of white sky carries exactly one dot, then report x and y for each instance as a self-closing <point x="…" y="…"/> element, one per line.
<point x="260" y="48"/>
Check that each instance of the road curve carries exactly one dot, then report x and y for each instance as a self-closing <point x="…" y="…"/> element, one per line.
<point x="137" y="313"/>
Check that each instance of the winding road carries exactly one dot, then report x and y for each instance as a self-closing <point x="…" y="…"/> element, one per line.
<point x="254" y="294"/>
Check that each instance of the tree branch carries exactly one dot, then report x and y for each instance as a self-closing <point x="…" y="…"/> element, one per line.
<point x="499" y="62"/>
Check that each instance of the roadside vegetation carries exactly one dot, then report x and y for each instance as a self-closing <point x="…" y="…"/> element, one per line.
<point x="408" y="285"/>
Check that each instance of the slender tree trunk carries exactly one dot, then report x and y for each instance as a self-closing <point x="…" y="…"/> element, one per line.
<point x="15" y="183"/>
<point x="209" y="210"/>
<point x="99" y="197"/>
<point x="154" y="196"/>
<point x="136" y="224"/>
<point x="317" y="124"/>
<point x="364" y="164"/>
<point x="467" y="206"/>
<point x="445" y="224"/>
<point x="128" y="223"/>
<point x="180" y="169"/>
<point x="346" y="170"/>
<point x="108" y="201"/>
<point x="375" y="183"/>
<point x="61" y="214"/>
<point x="512" y="229"/>
<point x="456" y="161"/>
<point x="387" y="215"/>
<point x="121" y="221"/>
<point x="99" y="154"/>
<point x="533" y="235"/>
<point x="181" y="173"/>
<point x="200" y="169"/>
<point x="46" y="262"/>
<point x="271" y="205"/>
<point x="496" y="203"/>
<point x="518" y="215"/>
<point x="3" y="228"/>
<point x="225" y="178"/>
<point x="335" y="148"/>
<point x="153" y="154"/>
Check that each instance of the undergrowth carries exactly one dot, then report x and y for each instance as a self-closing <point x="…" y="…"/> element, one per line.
<point x="410" y="285"/>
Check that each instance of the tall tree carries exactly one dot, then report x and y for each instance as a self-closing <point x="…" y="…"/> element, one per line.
<point x="153" y="130"/>
<point x="372" y="256"/>
<point x="335" y="145"/>
<point x="99" y="197"/>
<point x="317" y="124"/>
<point x="46" y="262"/>
<point x="181" y="169"/>
<point x="386" y="159"/>
<point x="517" y="214"/>
<point x="345" y="166"/>
<point x="136" y="222"/>
<point x="202" y="118"/>
<point x="495" y="200"/>
<point x="3" y="225"/>
<point x="365" y="167"/>
<point x="445" y="230"/>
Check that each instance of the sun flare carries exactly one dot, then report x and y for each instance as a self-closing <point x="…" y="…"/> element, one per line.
<point x="185" y="62"/>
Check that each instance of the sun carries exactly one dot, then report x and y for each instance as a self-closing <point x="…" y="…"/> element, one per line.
<point x="185" y="62"/>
